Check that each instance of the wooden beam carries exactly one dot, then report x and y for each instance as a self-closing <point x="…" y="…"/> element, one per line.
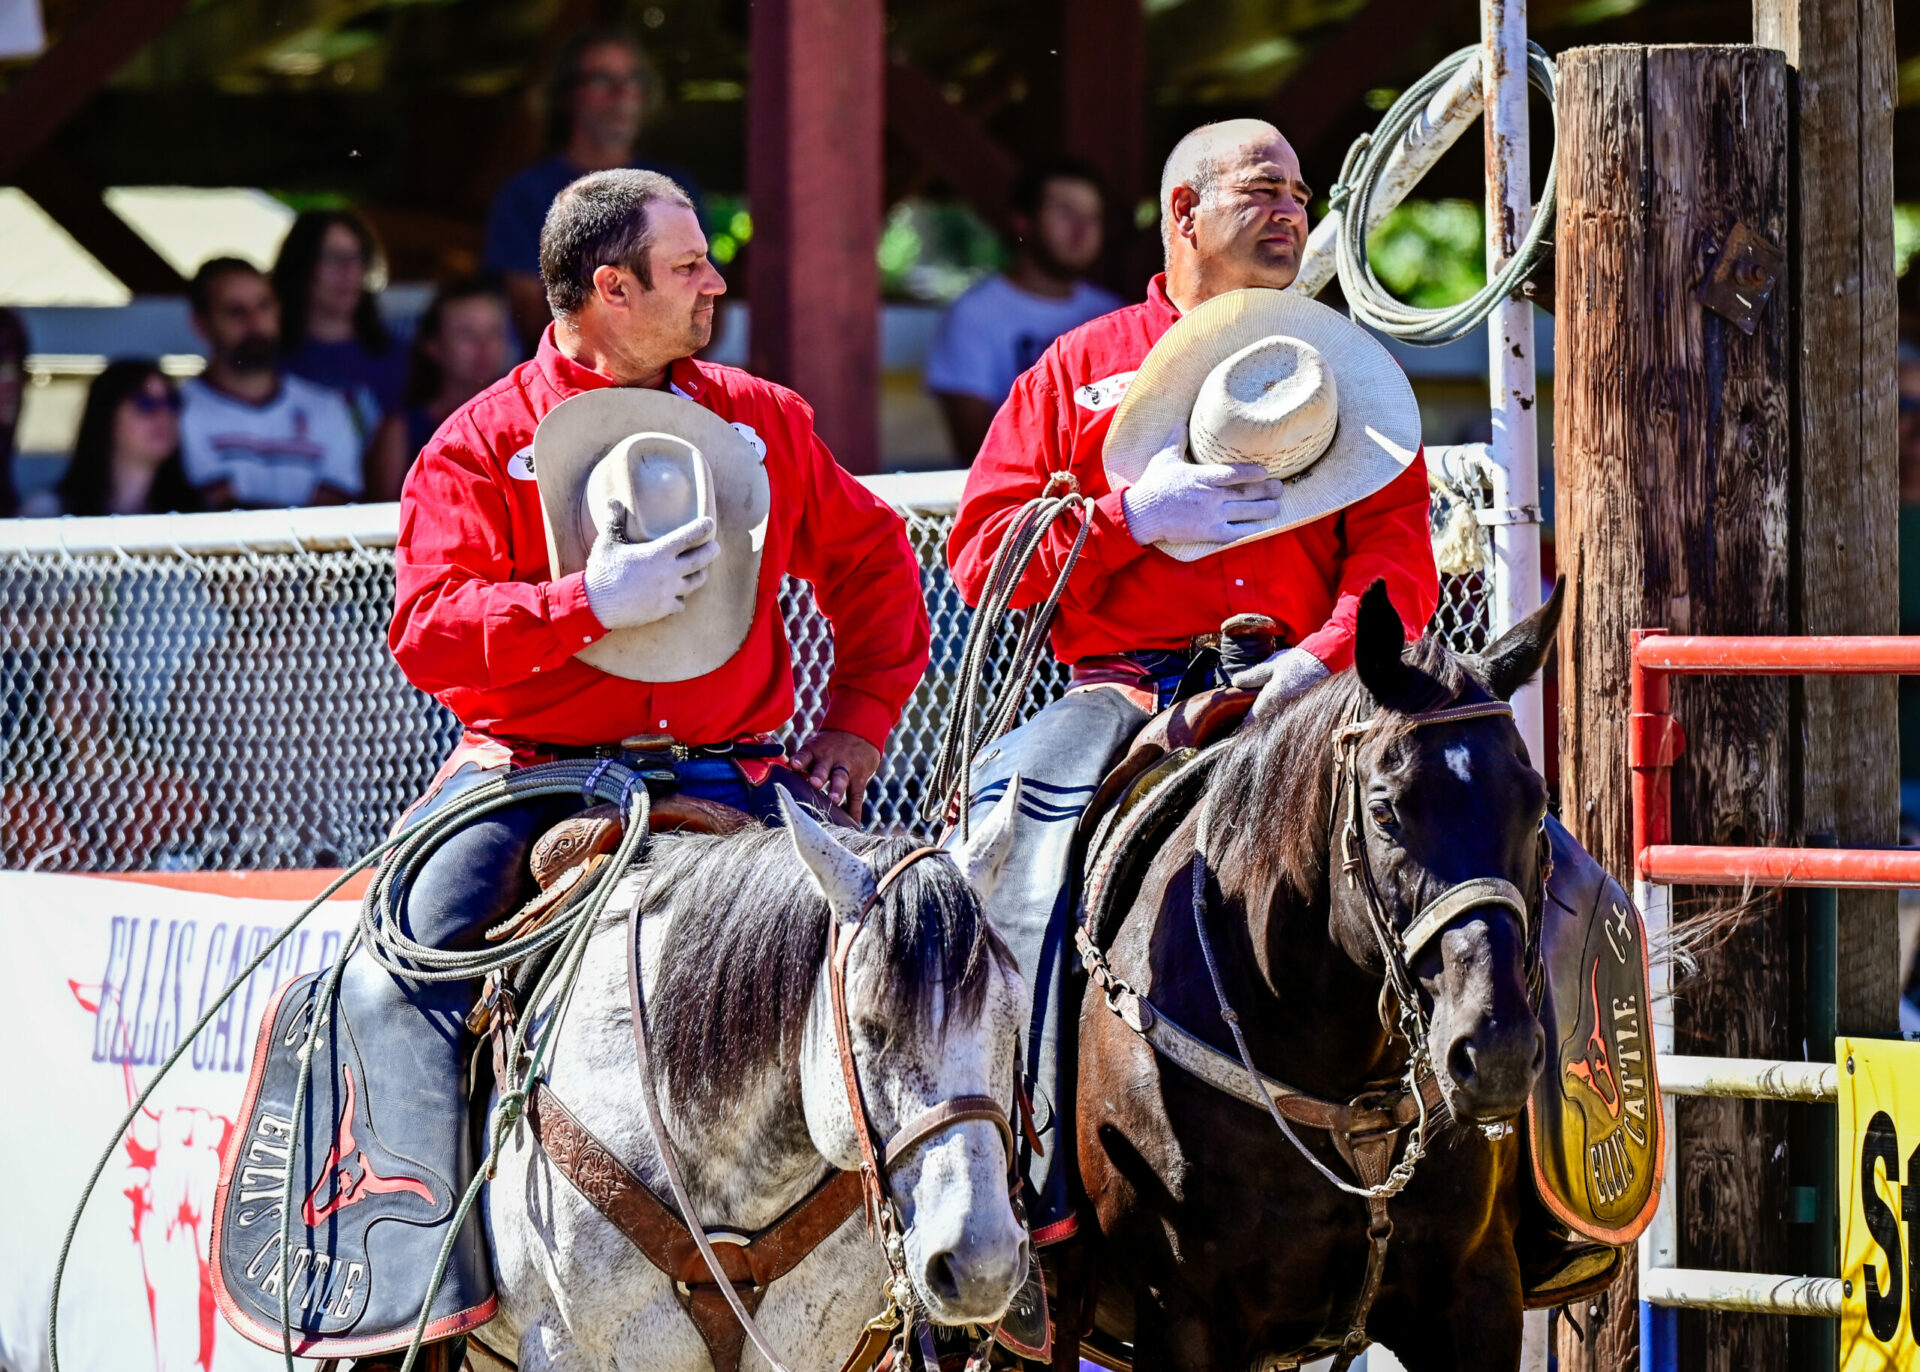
<point x="1846" y="562"/>
<point x="1671" y="446"/>
<point x="814" y="132"/>
<point x="950" y="141"/>
<point x="1103" y="118"/>
<point x="1355" y="59"/>
<point x="73" y="200"/>
<point x="56" y="87"/>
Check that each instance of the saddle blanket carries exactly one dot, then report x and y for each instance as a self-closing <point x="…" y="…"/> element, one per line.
<point x="376" y="1177"/>
<point x="1594" y="1116"/>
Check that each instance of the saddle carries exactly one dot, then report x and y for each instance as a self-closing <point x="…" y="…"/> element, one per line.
<point x="387" y="1139"/>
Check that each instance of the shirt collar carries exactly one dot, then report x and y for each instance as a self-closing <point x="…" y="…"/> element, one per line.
<point x="1157" y="300"/>
<point x="570" y="377"/>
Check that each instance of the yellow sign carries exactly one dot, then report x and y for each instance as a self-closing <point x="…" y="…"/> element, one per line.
<point x="1879" y="1144"/>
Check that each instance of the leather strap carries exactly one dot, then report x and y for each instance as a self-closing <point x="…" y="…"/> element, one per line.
<point x="1454" y="902"/>
<point x="872" y="1177"/>
<point x="949" y="1112"/>
<point x="749" y="1262"/>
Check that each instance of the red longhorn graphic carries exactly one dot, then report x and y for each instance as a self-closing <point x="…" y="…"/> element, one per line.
<point x="1597" y="1062"/>
<point x="353" y="1181"/>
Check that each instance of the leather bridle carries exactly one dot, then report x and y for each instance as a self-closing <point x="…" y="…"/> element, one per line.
<point x="878" y="1157"/>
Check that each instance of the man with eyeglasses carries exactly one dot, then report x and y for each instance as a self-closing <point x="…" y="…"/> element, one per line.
<point x="596" y="96"/>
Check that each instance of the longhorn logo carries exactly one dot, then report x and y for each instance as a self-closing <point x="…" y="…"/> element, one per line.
<point x="350" y="1175"/>
<point x="1598" y="1062"/>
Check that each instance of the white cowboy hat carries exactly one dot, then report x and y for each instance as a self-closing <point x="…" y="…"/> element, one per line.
<point x="668" y="461"/>
<point x="1271" y="377"/>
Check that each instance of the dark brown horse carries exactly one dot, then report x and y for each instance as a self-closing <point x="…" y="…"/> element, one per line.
<point x="1383" y="829"/>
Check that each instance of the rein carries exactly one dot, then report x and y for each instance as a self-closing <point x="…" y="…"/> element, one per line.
<point x="876" y="1157"/>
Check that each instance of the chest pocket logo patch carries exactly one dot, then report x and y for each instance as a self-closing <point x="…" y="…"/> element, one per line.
<point x="758" y="443"/>
<point x="1103" y="394"/>
<point x="520" y="465"/>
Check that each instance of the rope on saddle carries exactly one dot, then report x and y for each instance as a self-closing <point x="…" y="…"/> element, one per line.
<point x="400" y="858"/>
<point x="962" y="736"/>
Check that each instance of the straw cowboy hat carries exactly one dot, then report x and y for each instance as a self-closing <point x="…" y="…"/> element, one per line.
<point x="1271" y="377"/>
<point x="668" y="461"/>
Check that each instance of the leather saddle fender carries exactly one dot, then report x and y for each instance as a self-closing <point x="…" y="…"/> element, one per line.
<point x="1594" y="1118"/>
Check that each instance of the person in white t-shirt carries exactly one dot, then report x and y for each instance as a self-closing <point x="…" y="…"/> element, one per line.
<point x="1000" y="327"/>
<point x="250" y="436"/>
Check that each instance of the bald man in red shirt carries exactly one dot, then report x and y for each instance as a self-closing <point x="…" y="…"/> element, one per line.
<point x="1233" y="215"/>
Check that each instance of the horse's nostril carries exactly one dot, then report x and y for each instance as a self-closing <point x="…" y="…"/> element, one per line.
<point x="1460" y="1061"/>
<point x="1539" y="1051"/>
<point x="942" y="1280"/>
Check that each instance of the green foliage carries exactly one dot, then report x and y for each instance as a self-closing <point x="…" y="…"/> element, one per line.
<point x="1906" y="237"/>
<point x="1430" y="253"/>
<point x="933" y="252"/>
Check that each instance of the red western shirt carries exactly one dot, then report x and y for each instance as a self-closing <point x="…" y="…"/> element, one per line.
<point x="1124" y="597"/>
<point x="480" y="622"/>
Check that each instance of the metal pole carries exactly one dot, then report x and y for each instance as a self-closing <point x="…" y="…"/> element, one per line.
<point x="1516" y="545"/>
<point x="1516" y="439"/>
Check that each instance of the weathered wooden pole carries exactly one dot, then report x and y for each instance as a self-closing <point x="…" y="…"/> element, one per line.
<point x="1672" y="442"/>
<point x="814" y="121"/>
<point x="1844" y="562"/>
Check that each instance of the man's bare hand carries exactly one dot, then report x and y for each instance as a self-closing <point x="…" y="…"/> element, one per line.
<point x="840" y="764"/>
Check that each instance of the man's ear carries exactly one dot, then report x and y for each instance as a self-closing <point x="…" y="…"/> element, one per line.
<point x="1181" y="203"/>
<point x="613" y="286"/>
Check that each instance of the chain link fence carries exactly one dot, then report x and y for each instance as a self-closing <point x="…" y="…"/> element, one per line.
<point x="167" y="710"/>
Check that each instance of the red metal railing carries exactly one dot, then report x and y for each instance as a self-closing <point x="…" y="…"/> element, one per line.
<point x="1656" y="741"/>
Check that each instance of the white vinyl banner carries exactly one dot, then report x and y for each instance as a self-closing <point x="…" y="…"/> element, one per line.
<point x="100" y="979"/>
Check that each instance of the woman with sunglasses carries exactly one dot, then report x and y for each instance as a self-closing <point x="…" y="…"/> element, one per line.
<point x="127" y="457"/>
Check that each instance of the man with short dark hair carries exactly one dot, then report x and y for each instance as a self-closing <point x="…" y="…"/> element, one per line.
<point x="1000" y="326"/>
<point x="596" y="98"/>
<point x="545" y="659"/>
<point x="251" y="436"/>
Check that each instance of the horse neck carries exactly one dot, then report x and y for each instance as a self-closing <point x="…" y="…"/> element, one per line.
<point x="1309" y="1012"/>
<point x="748" y="1159"/>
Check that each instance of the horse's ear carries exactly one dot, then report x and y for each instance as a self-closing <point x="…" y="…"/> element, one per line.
<point x="843" y="877"/>
<point x="1379" y="640"/>
<point x="1512" y="659"/>
<point x="984" y="853"/>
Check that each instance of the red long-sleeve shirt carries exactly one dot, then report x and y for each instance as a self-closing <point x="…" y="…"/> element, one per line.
<point x="1124" y="597"/>
<point x="480" y="623"/>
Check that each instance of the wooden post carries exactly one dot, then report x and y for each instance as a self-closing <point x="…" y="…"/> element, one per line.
<point x="1845" y="564"/>
<point x="1103" y="118"/>
<point x="1671" y="442"/>
<point x="814" y="183"/>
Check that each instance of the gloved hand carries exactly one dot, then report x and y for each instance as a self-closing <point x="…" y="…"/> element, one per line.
<point x="1177" y="501"/>
<point x="1280" y="678"/>
<point x="630" y="584"/>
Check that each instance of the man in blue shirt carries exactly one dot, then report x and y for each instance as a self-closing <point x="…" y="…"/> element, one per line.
<point x="600" y="88"/>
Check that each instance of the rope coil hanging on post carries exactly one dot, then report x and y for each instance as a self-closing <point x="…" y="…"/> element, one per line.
<point x="1352" y="197"/>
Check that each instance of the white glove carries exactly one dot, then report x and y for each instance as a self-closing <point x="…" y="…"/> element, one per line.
<point x="1177" y="501"/>
<point x="1280" y="678"/>
<point x="630" y="584"/>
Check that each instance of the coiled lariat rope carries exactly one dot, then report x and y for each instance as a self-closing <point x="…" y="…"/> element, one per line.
<point x="400" y="857"/>
<point x="951" y="787"/>
<point x="1352" y="196"/>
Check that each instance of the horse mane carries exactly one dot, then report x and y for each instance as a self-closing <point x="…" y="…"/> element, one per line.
<point x="750" y="937"/>
<point x="1267" y="813"/>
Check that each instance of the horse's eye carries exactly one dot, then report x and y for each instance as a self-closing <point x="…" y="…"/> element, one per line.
<point x="1383" y="815"/>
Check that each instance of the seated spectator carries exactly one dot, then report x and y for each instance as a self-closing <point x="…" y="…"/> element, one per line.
<point x="462" y="345"/>
<point x="599" y="89"/>
<point x="13" y="387"/>
<point x="330" y="326"/>
<point x="1000" y="327"/>
<point x="127" y="457"/>
<point x="250" y="436"/>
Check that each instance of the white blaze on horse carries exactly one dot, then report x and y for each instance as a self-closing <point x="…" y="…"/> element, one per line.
<point x="734" y="939"/>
